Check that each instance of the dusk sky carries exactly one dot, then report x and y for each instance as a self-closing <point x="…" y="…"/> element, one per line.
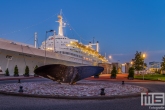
<point x="122" y="27"/>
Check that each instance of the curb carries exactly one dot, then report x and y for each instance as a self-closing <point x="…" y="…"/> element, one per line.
<point x="136" y="80"/>
<point x="18" y="78"/>
<point x="150" y="80"/>
<point x="75" y="97"/>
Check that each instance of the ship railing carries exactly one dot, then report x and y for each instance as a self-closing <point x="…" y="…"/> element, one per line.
<point x="88" y="50"/>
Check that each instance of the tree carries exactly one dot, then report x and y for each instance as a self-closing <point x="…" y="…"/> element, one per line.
<point x="163" y="65"/>
<point x="16" y="71"/>
<point x="131" y="73"/>
<point x="26" y="71"/>
<point x="7" y="72"/>
<point x="138" y="62"/>
<point x="113" y="72"/>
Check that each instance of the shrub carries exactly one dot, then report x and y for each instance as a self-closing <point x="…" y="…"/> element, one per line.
<point x="16" y="71"/>
<point x="131" y="73"/>
<point x="113" y="72"/>
<point x="26" y="71"/>
<point x="7" y="72"/>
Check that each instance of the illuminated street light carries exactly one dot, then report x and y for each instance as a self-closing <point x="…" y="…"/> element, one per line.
<point x="144" y="55"/>
<point x="110" y="57"/>
<point x="131" y="62"/>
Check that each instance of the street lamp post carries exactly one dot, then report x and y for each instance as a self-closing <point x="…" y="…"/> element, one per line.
<point x="54" y="40"/>
<point x="110" y="68"/>
<point x="144" y="56"/>
<point x="45" y="44"/>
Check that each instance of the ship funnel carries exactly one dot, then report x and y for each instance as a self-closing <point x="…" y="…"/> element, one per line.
<point x="35" y="39"/>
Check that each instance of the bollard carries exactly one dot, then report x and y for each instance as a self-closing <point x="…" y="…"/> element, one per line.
<point x="19" y="81"/>
<point x="21" y="89"/>
<point x="122" y="82"/>
<point x="102" y="92"/>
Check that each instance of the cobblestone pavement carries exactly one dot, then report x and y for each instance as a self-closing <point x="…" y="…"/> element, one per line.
<point x="29" y="103"/>
<point x="81" y="89"/>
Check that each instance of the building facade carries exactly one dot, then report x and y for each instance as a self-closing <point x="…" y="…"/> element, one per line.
<point x="107" y="68"/>
<point x="154" y="66"/>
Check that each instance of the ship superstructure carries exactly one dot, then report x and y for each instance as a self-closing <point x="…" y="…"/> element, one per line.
<point x="56" y="49"/>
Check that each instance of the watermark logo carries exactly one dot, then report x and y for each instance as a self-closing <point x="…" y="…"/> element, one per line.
<point x="153" y="100"/>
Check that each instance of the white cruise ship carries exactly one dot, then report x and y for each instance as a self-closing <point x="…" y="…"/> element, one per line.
<point x="58" y="50"/>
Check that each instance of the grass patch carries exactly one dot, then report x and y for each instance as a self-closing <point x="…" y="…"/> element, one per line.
<point x="157" y="77"/>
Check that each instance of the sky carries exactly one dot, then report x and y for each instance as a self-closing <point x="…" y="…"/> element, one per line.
<point x="122" y="27"/>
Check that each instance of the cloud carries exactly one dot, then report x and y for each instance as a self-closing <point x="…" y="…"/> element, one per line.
<point x="157" y="52"/>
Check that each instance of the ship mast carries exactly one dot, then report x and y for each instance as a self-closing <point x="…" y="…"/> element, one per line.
<point x="60" y="30"/>
<point x="35" y="39"/>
